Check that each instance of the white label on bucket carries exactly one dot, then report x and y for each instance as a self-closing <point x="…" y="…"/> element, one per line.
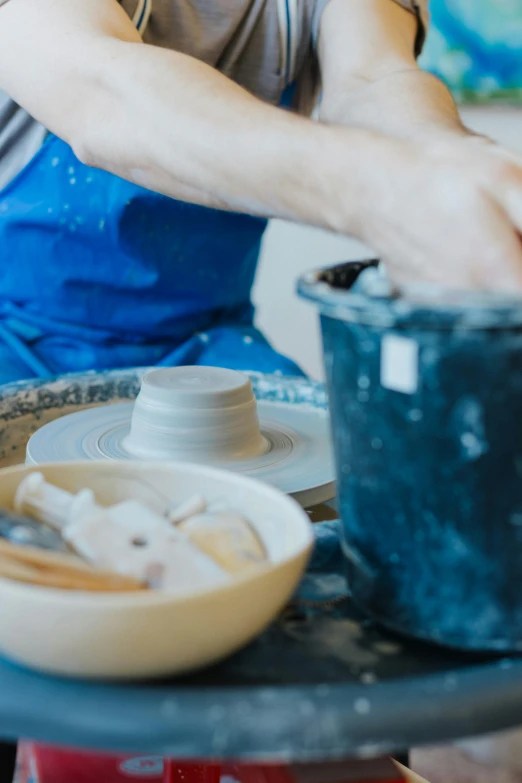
<point x="399" y="364"/>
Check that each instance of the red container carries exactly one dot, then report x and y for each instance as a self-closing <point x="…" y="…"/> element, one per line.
<point x="45" y="764"/>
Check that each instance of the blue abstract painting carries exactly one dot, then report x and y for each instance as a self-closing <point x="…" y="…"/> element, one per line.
<point x="475" y="46"/>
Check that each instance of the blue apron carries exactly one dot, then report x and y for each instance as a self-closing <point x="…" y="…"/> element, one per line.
<point x="99" y="273"/>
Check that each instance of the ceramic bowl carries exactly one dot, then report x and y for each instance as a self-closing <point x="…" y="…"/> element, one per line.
<point x="154" y="633"/>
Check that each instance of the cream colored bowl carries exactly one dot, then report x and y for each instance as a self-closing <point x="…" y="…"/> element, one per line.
<point x="153" y="634"/>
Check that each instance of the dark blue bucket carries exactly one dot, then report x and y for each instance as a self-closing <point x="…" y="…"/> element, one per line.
<point x="426" y="407"/>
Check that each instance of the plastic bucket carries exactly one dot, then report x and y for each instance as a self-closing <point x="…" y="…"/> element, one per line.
<point x="426" y="409"/>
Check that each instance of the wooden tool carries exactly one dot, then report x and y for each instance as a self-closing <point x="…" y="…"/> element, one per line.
<point x="54" y="569"/>
<point x="127" y="538"/>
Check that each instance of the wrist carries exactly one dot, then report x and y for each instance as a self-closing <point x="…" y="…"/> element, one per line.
<point x="335" y="174"/>
<point x="407" y="104"/>
<point x="361" y="167"/>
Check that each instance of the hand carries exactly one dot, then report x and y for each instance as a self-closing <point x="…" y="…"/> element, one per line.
<point x="448" y="212"/>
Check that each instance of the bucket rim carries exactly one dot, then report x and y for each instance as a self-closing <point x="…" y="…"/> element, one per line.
<point x="454" y="310"/>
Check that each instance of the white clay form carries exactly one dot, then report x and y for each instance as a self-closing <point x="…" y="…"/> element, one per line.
<point x="195" y="413"/>
<point x="202" y="415"/>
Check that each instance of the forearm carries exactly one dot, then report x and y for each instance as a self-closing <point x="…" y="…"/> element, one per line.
<point x="408" y="104"/>
<point x="174" y="125"/>
<point x="370" y="77"/>
<point x="171" y="123"/>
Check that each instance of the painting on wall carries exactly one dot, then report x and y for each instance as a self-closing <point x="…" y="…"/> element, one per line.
<point x="475" y="46"/>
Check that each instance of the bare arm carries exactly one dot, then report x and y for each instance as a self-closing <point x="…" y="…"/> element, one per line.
<point x="375" y="82"/>
<point x="174" y="125"/>
<point x="446" y="204"/>
<point x="169" y="122"/>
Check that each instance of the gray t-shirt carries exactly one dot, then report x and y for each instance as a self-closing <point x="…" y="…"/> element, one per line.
<point x="264" y="45"/>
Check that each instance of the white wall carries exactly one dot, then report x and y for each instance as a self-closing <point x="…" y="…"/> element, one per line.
<point x="289" y="250"/>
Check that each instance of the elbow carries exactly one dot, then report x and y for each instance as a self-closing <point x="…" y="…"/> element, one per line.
<point x="83" y="148"/>
<point x="98" y="118"/>
<point x="94" y="134"/>
<point x="91" y="128"/>
<point x="337" y="100"/>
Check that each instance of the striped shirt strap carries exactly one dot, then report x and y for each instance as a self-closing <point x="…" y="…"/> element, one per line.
<point x="142" y="15"/>
<point x="140" y="18"/>
<point x="288" y="15"/>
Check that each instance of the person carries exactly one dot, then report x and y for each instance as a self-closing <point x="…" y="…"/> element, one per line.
<point x="144" y="144"/>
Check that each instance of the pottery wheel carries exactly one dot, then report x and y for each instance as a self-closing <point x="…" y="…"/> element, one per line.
<point x="285" y="445"/>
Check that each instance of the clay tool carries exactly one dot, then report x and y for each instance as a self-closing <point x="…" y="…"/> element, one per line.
<point x="59" y="570"/>
<point x="24" y="531"/>
<point x="128" y="537"/>
<point x="228" y="539"/>
<point x="408" y="774"/>
<point x="189" y="508"/>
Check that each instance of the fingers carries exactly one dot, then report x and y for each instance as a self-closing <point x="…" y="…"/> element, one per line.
<point x="510" y="198"/>
<point x="486" y="253"/>
<point x="481" y="251"/>
<point x="499" y="260"/>
<point x="505" y="183"/>
<point x="454" y="221"/>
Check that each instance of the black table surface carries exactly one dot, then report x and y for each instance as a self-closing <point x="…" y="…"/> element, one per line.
<point x="322" y="683"/>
